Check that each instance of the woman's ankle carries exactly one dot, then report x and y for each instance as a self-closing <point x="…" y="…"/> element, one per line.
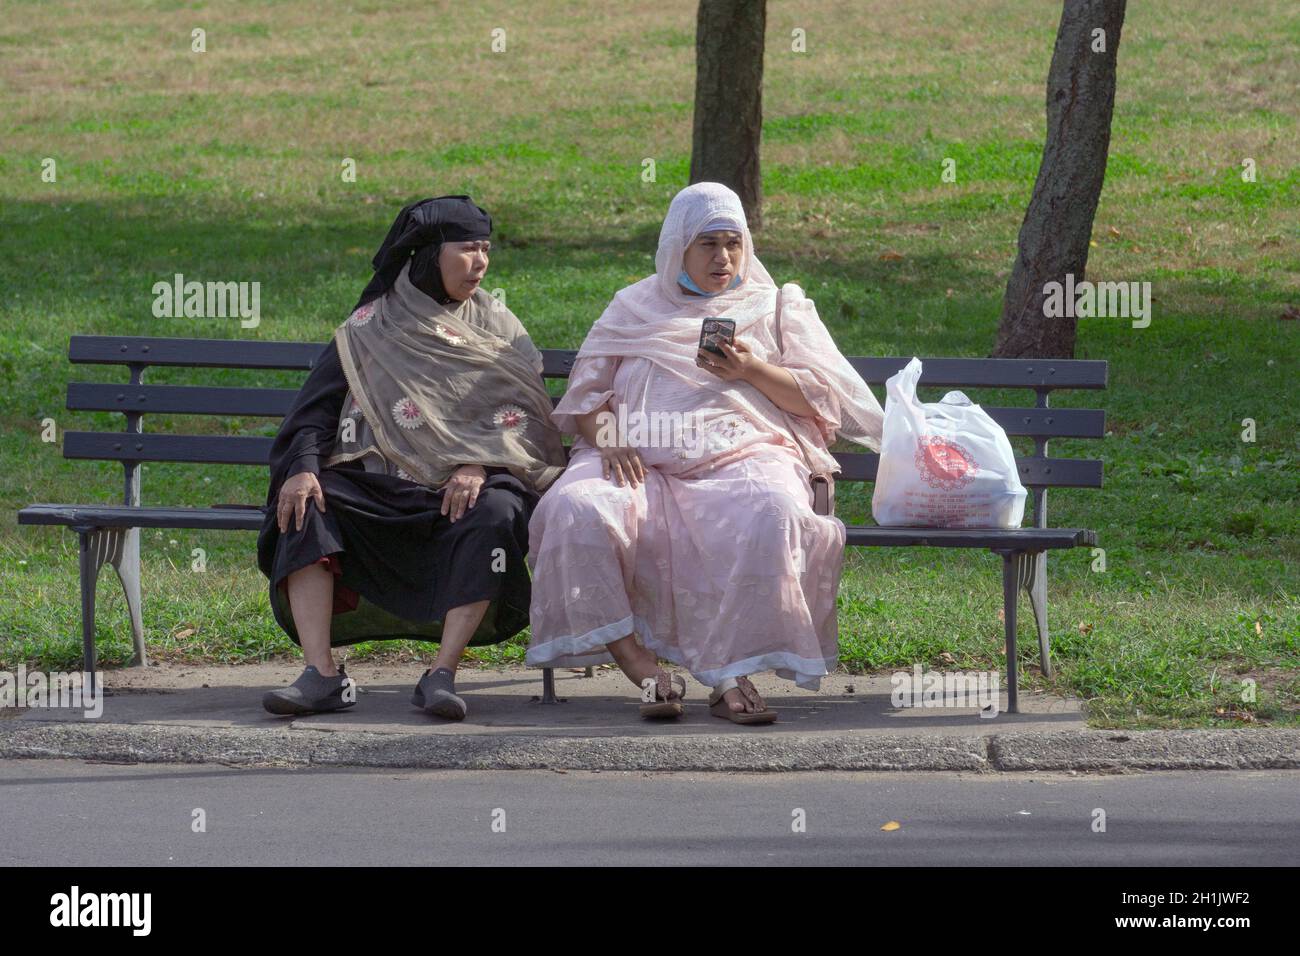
<point x="636" y="662"/>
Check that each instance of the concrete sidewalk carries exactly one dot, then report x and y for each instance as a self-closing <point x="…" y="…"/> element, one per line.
<point x="181" y="713"/>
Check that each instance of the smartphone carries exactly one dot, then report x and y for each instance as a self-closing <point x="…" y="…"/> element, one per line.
<point x="713" y="331"/>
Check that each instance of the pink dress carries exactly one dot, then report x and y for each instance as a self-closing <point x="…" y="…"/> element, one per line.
<point x="717" y="562"/>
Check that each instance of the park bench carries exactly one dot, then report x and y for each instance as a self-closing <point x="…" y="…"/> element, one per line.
<point x="110" y="534"/>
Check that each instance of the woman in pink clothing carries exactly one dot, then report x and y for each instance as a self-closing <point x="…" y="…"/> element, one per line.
<point x="684" y="528"/>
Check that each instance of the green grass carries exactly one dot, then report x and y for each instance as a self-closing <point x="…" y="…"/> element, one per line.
<point x="226" y="165"/>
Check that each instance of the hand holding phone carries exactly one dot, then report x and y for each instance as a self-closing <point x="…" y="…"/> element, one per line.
<point x="713" y="331"/>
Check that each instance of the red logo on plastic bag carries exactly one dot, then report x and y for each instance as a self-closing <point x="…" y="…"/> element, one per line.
<point x="944" y="463"/>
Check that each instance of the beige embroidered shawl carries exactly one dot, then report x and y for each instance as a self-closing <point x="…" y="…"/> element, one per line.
<point x="432" y="387"/>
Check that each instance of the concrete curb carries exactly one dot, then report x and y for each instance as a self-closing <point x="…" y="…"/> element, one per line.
<point x="1260" y="749"/>
<point x="1080" y="750"/>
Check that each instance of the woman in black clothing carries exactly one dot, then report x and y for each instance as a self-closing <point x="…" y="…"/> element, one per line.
<point x="404" y="476"/>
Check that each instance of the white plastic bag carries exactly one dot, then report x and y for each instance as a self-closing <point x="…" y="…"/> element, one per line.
<point x="944" y="464"/>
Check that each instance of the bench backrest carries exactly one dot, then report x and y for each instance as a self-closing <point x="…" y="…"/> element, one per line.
<point x="136" y="399"/>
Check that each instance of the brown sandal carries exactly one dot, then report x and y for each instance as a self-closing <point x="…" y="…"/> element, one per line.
<point x="665" y="705"/>
<point x="718" y="707"/>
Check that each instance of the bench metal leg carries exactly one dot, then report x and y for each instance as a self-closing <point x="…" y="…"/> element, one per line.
<point x="119" y="547"/>
<point x="1010" y="591"/>
<point x="548" y="688"/>
<point x="92" y="552"/>
<point x="1033" y="578"/>
<point x="127" y="565"/>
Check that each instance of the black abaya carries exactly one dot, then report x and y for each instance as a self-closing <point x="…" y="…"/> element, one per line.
<point x="408" y="563"/>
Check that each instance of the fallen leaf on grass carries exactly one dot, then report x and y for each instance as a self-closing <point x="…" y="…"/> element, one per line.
<point x="890" y="256"/>
<point x="1244" y="716"/>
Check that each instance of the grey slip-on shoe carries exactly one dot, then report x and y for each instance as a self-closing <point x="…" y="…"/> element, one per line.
<point x="436" y="694"/>
<point x="311" y="693"/>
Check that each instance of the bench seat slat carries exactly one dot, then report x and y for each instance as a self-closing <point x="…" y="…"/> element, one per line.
<point x="124" y="516"/>
<point x="250" y="519"/>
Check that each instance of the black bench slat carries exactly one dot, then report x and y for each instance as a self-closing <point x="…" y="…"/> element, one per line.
<point x="245" y="353"/>
<point x="953" y="373"/>
<point x="207" y="449"/>
<point x="124" y="516"/>
<point x="1034" y="472"/>
<point x="557" y="363"/>
<point x="254" y="450"/>
<point x="231" y="353"/>
<point x="250" y="519"/>
<point x="196" y="353"/>
<point x="1049" y="422"/>
<point x="1026" y="539"/>
<point x="1034" y="422"/>
<point x="180" y="399"/>
<point x="990" y="372"/>
<point x="275" y="403"/>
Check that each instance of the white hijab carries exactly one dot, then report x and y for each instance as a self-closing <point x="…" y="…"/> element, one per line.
<point x="657" y="320"/>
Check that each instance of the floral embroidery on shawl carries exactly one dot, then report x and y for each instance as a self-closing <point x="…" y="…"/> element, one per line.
<point x="407" y="414"/>
<point x="509" y="416"/>
<point x="447" y="335"/>
<point x="363" y="314"/>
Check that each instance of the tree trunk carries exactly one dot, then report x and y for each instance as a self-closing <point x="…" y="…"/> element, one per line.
<point x="1058" y="223"/>
<point x="729" y="99"/>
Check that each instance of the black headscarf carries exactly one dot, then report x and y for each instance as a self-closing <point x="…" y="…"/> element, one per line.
<point x="419" y="230"/>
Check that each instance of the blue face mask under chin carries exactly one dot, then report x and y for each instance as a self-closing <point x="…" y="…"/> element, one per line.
<point x="686" y="281"/>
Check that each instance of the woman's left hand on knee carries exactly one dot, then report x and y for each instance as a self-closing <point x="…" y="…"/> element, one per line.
<point x="460" y="492"/>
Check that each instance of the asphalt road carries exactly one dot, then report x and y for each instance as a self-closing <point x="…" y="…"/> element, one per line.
<point x="61" y="813"/>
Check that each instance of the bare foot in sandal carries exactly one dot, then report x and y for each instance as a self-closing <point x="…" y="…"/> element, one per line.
<point x="736" y="701"/>
<point x="740" y="703"/>
<point x="661" y="693"/>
